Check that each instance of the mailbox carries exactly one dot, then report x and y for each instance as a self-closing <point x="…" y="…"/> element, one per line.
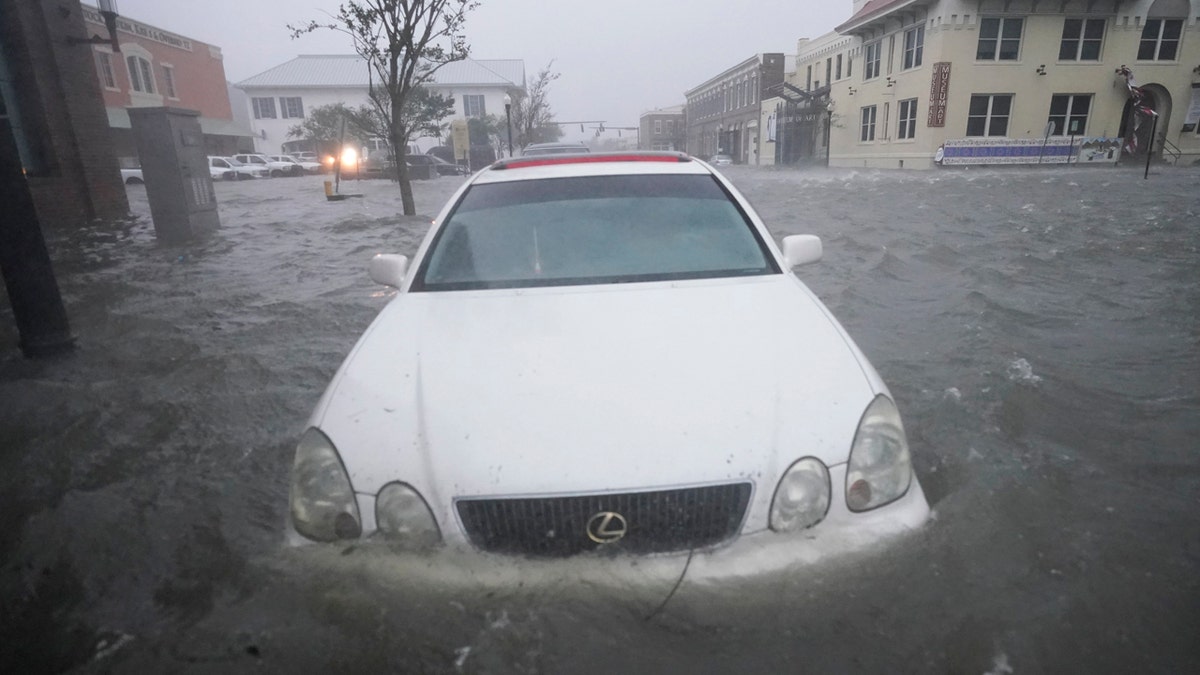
<point x="175" y="170"/>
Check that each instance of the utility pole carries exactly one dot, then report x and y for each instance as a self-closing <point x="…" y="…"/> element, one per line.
<point x="25" y="263"/>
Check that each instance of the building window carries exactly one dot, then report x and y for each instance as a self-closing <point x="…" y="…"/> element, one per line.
<point x="914" y="46"/>
<point x="1069" y="113"/>
<point x="849" y="65"/>
<point x="264" y="108"/>
<point x="808" y="80"/>
<point x="829" y="71"/>
<point x="1160" y="40"/>
<point x="1081" y="40"/>
<point x="988" y="115"/>
<point x="838" y="68"/>
<point x="140" y="75"/>
<point x="908" y="120"/>
<point x="473" y="105"/>
<point x="107" y="78"/>
<point x="169" y="81"/>
<point x="291" y="107"/>
<point x="868" y="124"/>
<point x="670" y="127"/>
<point x="871" y="56"/>
<point x="657" y="127"/>
<point x="999" y="39"/>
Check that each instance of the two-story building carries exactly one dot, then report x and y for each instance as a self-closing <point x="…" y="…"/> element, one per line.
<point x="157" y="67"/>
<point x="279" y="98"/>
<point x="663" y="129"/>
<point x="944" y="80"/>
<point x="723" y="112"/>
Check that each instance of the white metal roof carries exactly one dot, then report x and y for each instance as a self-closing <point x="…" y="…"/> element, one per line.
<point x="350" y="70"/>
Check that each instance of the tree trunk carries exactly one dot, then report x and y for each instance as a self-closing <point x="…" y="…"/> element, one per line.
<point x="400" y="158"/>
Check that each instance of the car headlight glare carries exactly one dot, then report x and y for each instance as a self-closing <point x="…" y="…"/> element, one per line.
<point x="322" y="501"/>
<point x="401" y="514"/>
<point x="802" y="497"/>
<point x="880" y="469"/>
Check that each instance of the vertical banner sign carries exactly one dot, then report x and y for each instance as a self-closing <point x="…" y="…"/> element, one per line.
<point x="1193" y="113"/>
<point x="939" y="92"/>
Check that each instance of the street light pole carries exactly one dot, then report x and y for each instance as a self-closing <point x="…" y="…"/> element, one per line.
<point x="508" y="116"/>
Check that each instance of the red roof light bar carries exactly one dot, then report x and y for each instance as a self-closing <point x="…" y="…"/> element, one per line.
<point x="589" y="159"/>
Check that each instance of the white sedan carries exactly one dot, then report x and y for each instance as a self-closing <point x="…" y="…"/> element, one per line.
<point x="605" y="353"/>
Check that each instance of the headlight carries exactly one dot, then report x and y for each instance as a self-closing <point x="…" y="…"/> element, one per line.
<point x="802" y="498"/>
<point x="401" y="514"/>
<point x="322" y="501"/>
<point x="880" y="469"/>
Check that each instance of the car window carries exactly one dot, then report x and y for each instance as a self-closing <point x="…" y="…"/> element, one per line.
<point x="606" y="229"/>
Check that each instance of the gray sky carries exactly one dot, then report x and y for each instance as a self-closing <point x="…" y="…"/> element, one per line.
<point x="617" y="58"/>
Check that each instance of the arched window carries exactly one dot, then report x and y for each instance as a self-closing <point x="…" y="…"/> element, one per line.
<point x="1162" y="30"/>
<point x="141" y="75"/>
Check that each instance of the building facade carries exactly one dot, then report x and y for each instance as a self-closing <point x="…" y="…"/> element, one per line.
<point x="723" y="112"/>
<point x="930" y="75"/>
<point x="53" y="108"/>
<point x="663" y="129"/>
<point x="156" y="67"/>
<point x="279" y="98"/>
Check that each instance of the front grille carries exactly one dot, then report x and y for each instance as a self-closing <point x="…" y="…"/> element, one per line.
<point x="656" y="522"/>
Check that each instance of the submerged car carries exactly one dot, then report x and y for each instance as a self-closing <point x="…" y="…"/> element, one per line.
<point x="721" y="160"/>
<point x="228" y="166"/>
<point x="604" y="353"/>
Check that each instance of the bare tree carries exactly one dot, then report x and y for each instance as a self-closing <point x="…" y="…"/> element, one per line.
<point x="404" y="42"/>
<point x="532" y="117"/>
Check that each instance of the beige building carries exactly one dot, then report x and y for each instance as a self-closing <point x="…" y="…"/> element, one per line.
<point x="981" y="81"/>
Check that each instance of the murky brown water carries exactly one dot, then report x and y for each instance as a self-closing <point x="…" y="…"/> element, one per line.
<point x="1038" y="327"/>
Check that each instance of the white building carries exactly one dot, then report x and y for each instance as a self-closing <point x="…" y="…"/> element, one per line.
<point x="279" y="98"/>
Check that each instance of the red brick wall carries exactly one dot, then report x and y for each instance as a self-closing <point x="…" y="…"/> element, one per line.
<point x="198" y="68"/>
<point x="61" y="106"/>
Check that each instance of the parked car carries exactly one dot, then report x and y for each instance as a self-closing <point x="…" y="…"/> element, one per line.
<point x="240" y="171"/>
<point x="134" y="176"/>
<point x="554" y="149"/>
<point x="422" y="167"/>
<point x="721" y="160"/>
<point x="579" y="360"/>
<point x="274" y="168"/>
<point x="306" y="156"/>
<point x="445" y="168"/>
<point x="305" y="166"/>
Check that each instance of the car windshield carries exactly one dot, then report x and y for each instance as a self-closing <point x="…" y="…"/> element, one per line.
<point x="233" y="162"/>
<point x="593" y="230"/>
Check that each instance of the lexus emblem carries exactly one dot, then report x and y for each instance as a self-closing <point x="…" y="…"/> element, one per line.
<point x="606" y="527"/>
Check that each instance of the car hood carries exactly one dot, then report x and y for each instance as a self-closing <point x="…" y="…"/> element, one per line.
<point x="583" y="389"/>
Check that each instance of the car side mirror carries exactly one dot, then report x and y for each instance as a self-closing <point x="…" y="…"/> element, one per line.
<point x="388" y="269"/>
<point x="801" y="249"/>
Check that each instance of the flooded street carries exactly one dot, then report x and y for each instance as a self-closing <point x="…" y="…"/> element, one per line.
<point x="1038" y="327"/>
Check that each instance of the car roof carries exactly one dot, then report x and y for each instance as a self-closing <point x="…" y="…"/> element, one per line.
<point x="590" y="164"/>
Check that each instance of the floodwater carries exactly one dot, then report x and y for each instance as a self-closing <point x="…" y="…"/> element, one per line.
<point x="1038" y="328"/>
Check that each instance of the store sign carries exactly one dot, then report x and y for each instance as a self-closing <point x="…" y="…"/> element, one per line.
<point x="939" y="94"/>
<point x="140" y="30"/>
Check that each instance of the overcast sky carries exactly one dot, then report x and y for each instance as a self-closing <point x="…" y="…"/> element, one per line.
<point x="618" y="58"/>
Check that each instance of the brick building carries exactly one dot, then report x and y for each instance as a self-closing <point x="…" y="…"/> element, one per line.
<point x="663" y="129"/>
<point x="56" y="112"/>
<point x="159" y="68"/>
<point x="723" y="112"/>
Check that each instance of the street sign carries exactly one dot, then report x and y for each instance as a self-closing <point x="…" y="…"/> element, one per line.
<point x="461" y="138"/>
